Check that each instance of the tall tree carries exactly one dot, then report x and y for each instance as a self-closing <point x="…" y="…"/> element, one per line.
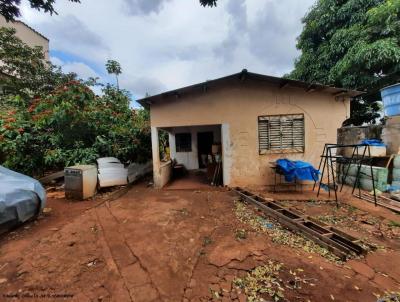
<point x="113" y="67"/>
<point x="23" y="69"/>
<point x="353" y="44"/>
<point x="10" y="9"/>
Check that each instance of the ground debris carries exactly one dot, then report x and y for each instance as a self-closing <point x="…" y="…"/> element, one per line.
<point x="262" y="281"/>
<point x="279" y="234"/>
<point x="389" y="297"/>
<point x="240" y="234"/>
<point x="350" y="217"/>
<point x="47" y="210"/>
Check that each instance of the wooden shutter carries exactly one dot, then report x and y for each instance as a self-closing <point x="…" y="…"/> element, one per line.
<point x="281" y="133"/>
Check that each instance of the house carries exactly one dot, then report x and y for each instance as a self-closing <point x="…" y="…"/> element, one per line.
<point x="256" y="119"/>
<point x="28" y="35"/>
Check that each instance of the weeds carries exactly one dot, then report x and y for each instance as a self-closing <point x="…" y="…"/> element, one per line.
<point x="393" y="224"/>
<point x="207" y="241"/>
<point x="241" y="234"/>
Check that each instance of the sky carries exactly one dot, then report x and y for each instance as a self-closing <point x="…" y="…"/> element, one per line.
<point x="168" y="44"/>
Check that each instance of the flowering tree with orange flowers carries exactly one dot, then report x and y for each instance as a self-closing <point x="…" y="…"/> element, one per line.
<point x="49" y="120"/>
<point x="71" y="126"/>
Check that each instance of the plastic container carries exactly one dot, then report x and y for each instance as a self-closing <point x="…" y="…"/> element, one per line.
<point x="396" y="174"/>
<point x="396" y="162"/>
<point x="391" y="99"/>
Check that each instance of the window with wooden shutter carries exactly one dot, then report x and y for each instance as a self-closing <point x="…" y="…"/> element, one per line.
<point x="281" y="133"/>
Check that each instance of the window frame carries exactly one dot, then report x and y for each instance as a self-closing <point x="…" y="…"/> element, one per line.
<point x="180" y="149"/>
<point x="263" y="118"/>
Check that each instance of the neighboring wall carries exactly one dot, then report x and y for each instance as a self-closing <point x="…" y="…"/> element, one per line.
<point x="354" y="135"/>
<point x="237" y="108"/>
<point x="190" y="159"/>
<point x="28" y="35"/>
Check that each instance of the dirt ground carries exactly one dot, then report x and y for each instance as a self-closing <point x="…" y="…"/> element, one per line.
<point x="189" y="245"/>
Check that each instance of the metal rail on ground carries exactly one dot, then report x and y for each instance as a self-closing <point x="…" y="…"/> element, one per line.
<point x="336" y="241"/>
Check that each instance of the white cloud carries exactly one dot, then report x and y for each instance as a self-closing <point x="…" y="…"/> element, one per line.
<point x="56" y="61"/>
<point x="81" y="69"/>
<point x="166" y="44"/>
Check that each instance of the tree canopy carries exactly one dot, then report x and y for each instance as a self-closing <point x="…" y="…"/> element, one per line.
<point x="113" y="67"/>
<point x="24" y="70"/>
<point x="208" y="2"/>
<point x="10" y="9"/>
<point x="50" y="120"/>
<point x="352" y="44"/>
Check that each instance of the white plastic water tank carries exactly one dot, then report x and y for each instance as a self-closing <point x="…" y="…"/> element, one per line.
<point x="111" y="172"/>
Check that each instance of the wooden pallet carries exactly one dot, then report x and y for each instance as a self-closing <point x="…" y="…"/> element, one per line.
<point x="336" y="241"/>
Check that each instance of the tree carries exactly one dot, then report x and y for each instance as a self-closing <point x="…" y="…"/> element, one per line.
<point x="113" y="67"/>
<point x="208" y="2"/>
<point x="50" y="120"/>
<point x="10" y="8"/>
<point x="24" y="70"/>
<point x="353" y="44"/>
<point x="71" y="125"/>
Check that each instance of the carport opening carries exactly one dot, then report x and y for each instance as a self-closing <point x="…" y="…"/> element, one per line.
<point x="196" y="153"/>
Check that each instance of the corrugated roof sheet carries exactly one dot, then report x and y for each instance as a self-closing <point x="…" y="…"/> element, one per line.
<point x="245" y="75"/>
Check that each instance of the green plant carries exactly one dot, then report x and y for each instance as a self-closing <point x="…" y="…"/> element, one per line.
<point x="394" y="224"/>
<point x="113" y="67"/>
<point x="24" y="71"/>
<point x="207" y="241"/>
<point x="241" y="234"/>
<point x="9" y="9"/>
<point x="72" y="125"/>
<point x="352" y="44"/>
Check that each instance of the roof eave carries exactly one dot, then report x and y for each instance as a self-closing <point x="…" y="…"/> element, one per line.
<point x="281" y="83"/>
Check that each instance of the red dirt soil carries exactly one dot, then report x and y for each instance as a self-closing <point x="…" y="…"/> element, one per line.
<point x="169" y="245"/>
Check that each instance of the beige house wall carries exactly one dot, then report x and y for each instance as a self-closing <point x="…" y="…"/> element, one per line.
<point x="27" y="35"/>
<point x="237" y="109"/>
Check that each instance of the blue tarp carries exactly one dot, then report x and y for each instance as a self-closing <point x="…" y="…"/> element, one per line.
<point x="373" y="142"/>
<point x="299" y="170"/>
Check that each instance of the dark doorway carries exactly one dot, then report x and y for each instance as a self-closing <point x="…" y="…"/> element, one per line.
<point x="205" y="141"/>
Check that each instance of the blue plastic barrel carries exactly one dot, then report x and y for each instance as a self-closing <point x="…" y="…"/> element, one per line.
<point x="391" y="99"/>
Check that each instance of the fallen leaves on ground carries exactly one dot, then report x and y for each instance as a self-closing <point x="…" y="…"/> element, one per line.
<point x="389" y="297"/>
<point x="261" y="281"/>
<point x="279" y="234"/>
<point x="350" y="217"/>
